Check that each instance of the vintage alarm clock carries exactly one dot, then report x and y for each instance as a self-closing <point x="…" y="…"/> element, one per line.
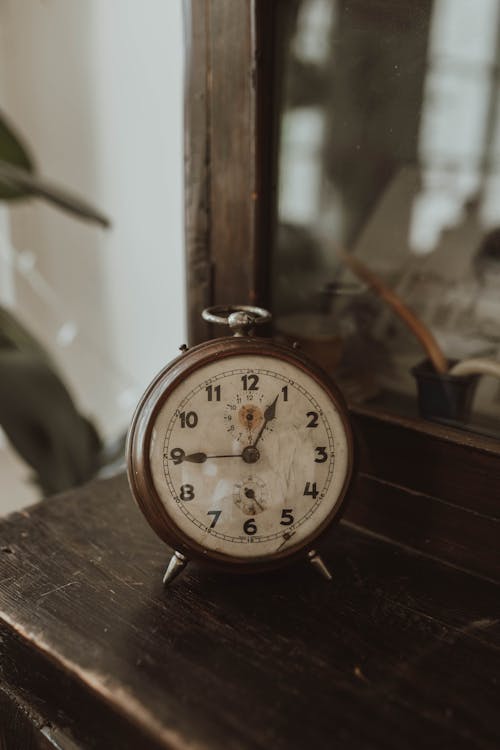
<point x="240" y="452"/>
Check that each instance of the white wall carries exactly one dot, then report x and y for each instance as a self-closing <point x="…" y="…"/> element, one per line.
<point x="96" y="88"/>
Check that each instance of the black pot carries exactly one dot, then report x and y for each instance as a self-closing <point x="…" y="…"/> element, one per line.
<point x="444" y="397"/>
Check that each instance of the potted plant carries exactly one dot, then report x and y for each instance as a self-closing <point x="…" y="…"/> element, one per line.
<point x="445" y="387"/>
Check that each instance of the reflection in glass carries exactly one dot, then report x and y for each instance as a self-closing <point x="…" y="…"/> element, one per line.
<point x="390" y="148"/>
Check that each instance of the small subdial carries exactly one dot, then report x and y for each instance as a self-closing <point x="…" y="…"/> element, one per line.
<point x="244" y="418"/>
<point x="250" y="495"/>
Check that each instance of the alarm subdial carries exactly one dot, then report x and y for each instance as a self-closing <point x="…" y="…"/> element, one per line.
<point x="250" y="495"/>
<point x="244" y="419"/>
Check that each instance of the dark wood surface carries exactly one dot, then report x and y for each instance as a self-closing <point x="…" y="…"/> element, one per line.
<point x="431" y="487"/>
<point x="23" y="728"/>
<point x="398" y="651"/>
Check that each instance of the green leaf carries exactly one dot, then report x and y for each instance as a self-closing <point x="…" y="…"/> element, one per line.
<point x="23" y="183"/>
<point x="15" y="336"/>
<point x="38" y="413"/>
<point x="13" y="151"/>
<point x="18" y="179"/>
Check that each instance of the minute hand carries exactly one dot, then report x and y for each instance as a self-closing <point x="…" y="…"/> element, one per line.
<point x="200" y="458"/>
<point x="269" y="414"/>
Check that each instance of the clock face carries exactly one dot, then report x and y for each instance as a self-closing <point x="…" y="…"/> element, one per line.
<point x="249" y="456"/>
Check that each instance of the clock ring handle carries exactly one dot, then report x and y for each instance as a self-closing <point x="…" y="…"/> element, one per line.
<point x="240" y="318"/>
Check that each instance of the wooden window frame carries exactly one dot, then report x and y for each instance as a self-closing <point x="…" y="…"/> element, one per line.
<point x="426" y="486"/>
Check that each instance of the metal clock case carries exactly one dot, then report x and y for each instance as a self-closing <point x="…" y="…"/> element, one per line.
<point x="240" y="452"/>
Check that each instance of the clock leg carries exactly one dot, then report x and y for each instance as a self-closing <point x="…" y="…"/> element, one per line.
<point x="319" y="565"/>
<point x="177" y="563"/>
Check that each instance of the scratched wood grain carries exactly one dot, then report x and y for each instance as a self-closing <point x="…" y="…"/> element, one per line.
<point x="429" y="487"/>
<point x="22" y="728"/>
<point x="398" y="651"/>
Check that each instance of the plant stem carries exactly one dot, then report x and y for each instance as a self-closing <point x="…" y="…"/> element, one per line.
<point x="412" y="321"/>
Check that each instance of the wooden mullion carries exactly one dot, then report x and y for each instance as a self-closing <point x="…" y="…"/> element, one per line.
<point x="232" y="151"/>
<point x="196" y="169"/>
<point x="229" y="150"/>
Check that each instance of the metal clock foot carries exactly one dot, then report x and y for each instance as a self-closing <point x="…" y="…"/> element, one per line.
<point x="319" y="565"/>
<point x="177" y="563"/>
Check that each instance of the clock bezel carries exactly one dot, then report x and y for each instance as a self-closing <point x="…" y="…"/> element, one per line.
<point x="139" y="439"/>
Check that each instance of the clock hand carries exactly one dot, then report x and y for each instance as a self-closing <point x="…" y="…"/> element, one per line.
<point x="195" y="458"/>
<point x="250" y="453"/>
<point x="269" y="414"/>
<point x="200" y="458"/>
<point x="227" y="455"/>
<point x="250" y="493"/>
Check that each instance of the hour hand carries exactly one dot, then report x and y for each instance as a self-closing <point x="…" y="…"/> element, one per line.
<point x="269" y="415"/>
<point x="270" y="411"/>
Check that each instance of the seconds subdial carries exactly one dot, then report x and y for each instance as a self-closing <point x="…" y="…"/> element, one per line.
<point x="250" y="495"/>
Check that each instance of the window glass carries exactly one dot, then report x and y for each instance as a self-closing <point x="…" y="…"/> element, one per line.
<point x="389" y="161"/>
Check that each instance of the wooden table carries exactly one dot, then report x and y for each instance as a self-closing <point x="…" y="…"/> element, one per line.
<point x="398" y="651"/>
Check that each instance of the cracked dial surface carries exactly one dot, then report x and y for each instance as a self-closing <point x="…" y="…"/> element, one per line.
<point x="249" y="455"/>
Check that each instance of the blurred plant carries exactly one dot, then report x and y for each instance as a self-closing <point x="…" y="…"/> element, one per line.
<point x="445" y="388"/>
<point x="37" y="412"/>
<point x="421" y="332"/>
<point x="19" y="180"/>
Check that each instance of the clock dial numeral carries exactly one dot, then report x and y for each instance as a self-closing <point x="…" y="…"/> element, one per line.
<point x="177" y="454"/>
<point x="188" y="419"/>
<point x="216" y="515"/>
<point x="286" y="517"/>
<point x="250" y="382"/>
<point x="310" y="489"/>
<point x="313" y="422"/>
<point x="187" y="492"/>
<point x="250" y="527"/>
<point x="284" y="391"/>
<point x="322" y="454"/>
<point x="213" y="392"/>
